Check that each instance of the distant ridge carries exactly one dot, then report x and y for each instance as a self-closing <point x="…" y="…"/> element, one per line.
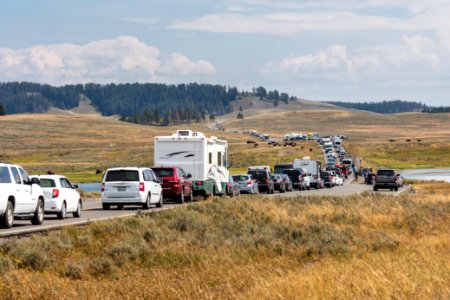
<point x="383" y="107"/>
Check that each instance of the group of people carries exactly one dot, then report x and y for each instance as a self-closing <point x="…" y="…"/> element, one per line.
<point x="367" y="173"/>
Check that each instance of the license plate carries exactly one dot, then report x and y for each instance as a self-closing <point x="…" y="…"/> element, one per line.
<point x="121" y="189"/>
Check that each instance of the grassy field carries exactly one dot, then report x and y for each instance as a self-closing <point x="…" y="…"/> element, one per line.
<point x="367" y="246"/>
<point x="360" y="247"/>
<point x="77" y="145"/>
<point x="403" y="141"/>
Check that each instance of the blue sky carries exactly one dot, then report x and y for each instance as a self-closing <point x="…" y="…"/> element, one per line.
<point x="346" y="50"/>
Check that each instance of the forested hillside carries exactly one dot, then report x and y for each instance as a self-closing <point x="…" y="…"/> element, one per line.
<point x="136" y="102"/>
<point x="383" y="107"/>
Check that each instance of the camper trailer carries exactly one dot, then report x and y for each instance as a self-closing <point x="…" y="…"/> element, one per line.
<point x="206" y="159"/>
<point x="313" y="169"/>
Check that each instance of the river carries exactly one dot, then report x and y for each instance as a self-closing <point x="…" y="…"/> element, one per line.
<point x="438" y="174"/>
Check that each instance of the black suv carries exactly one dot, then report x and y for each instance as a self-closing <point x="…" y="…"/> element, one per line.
<point x="387" y="179"/>
<point x="265" y="182"/>
<point x="297" y="177"/>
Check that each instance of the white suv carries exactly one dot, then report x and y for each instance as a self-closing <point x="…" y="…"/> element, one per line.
<point x="131" y="186"/>
<point x="61" y="197"/>
<point x="20" y="197"/>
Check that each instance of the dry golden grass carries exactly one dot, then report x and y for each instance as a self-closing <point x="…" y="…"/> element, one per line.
<point x="370" y="246"/>
<point x="402" y="141"/>
<point x="77" y="145"/>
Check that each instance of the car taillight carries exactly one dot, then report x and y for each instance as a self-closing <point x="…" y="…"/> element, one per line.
<point x="267" y="181"/>
<point x="55" y="193"/>
<point x="141" y="187"/>
<point x="102" y="188"/>
<point x="199" y="182"/>
<point x="229" y="185"/>
<point x="395" y="178"/>
<point x="249" y="182"/>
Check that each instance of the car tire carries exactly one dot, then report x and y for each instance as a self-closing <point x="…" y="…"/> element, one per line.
<point x="159" y="204"/>
<point x="396" y="189"/>
<point x="77" y="213"/>
<point x="38" y="217"/>
<point x="190" y="198"/>
<point x="62" y="213"/>
<point x="8" y="218"/>
<point x="147" y="202"/>
<point x="375" y="188"/>
<point x="119" y="206"/>
<point x="181" y="198"/>
<point x="106" y="206"/>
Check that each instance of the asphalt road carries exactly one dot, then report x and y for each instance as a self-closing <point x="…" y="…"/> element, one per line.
<point x="92" y="209"/>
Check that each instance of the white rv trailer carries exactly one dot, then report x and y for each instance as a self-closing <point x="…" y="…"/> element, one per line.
<point x="206" y="159"/>
<point x="312" y="167"/>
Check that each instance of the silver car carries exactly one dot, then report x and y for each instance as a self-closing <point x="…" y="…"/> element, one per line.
<point x="246" y="183"/>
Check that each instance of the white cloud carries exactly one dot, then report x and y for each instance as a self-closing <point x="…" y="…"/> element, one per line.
<point x="178" y="64"/>
<point x="123" y="59"/>
<point x="415" y="56"/>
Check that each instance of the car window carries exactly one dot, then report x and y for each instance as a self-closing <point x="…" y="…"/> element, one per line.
<point x="164" y="172"/>
<point x="386" y="173"/>
<point x="62" y="182"/>
<point x="122" y="175"/>
<point x="146" y="175"/>
<point x="183" y="173"/>
<point x="4" y="175"/>
<point x="68" y="184"/>
<point x="153" y="176"/>
<point x="46" y="182"/>
<point x="24" y="175"/>
<point x="179" y="173"/>
<point x="16" y="175"/>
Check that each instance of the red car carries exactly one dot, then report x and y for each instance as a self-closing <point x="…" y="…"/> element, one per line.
<point x="175" y="183"/>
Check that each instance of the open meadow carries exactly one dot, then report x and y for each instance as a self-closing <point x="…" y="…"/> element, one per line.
<point x="361" y="246"/>
<point x="403" y="141"/>
<point x="78" y="145"/>
<point x="370" y="246"/>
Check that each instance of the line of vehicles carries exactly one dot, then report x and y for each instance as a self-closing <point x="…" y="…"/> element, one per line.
<point x="30" y="197"/>
<point x="186" y="164"/>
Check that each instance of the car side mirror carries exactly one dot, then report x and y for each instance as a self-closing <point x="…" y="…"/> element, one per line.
<point x="75" y="186"/>
<point x="159" y="180"/>
<point x="189" y="175"/>
<point x="309" y="174"/>
<point x="35" y="180"/>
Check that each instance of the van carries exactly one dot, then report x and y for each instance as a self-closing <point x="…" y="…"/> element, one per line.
<point x="131" y="186"/>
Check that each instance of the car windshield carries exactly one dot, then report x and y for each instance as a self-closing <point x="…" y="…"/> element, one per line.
<point x="240" y="178"/>
<point x="292" y="172"/>
<point x="163" y="172"/>
<point x="385" y="173"/>
<point x="122" y="175"/>
<point x="46" y="183"/>
<point x="280" y="168"/>
<point x="258" y="174"/>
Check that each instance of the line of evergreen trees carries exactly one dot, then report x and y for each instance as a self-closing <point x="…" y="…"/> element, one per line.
<point x="383" y="107"/>
<point x="148" y="103"/>
<point x="439" y="109"/>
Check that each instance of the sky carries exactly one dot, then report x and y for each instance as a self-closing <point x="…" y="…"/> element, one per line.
<point x="346" y="50"/>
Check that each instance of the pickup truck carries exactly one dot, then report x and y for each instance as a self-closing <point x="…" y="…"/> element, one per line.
<point x="20" y="197"/>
